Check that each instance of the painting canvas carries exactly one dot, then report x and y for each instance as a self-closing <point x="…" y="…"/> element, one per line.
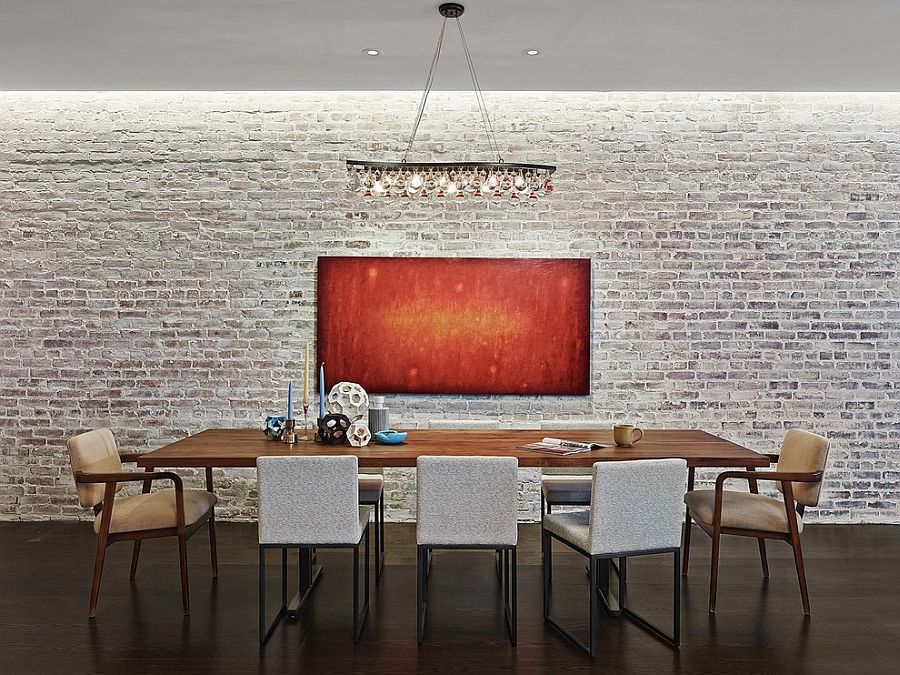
<point x="456" y="325"/>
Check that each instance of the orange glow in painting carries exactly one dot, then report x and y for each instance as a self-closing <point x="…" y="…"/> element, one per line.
<point x="456" y="325"/>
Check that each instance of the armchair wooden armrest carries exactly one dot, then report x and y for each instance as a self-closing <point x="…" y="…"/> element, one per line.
<point x="113" y="479"/>
<point x="129" y="456"/>
<point x="780" y="476"/>
<point x="126" y="476"/>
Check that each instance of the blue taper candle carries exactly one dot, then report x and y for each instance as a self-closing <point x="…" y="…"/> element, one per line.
<point x="290" y="414"/>
<point x="322" y="390"/>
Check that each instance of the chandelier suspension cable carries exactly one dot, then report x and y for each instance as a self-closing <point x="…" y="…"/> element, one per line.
<point x="428" y="83"/>
<point x="479" y="95"/>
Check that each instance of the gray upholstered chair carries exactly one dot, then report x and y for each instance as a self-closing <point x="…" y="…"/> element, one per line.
<point x="471" y="503"/>
<point x="798" y="476"/>
<point x="635" y="510"/>
<point x="309" y="503"/>
<point x="371" y="493"/>
<point x="177" y="512"/>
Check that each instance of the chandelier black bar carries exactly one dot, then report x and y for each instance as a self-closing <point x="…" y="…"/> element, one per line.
<point x="429" y="166"/>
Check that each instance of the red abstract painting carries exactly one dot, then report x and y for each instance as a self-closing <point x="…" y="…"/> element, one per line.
<point x="456" y="325"/>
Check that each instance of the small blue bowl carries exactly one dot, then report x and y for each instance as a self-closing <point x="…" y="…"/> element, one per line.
<point x="389" y="437"/>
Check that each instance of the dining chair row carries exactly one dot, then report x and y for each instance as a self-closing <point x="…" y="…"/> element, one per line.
<point x="471" y="503"/>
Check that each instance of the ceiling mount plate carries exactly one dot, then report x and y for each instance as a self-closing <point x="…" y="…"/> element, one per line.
<point x="451" y="10"/>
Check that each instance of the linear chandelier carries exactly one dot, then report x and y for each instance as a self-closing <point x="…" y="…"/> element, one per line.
<point x="451" y="181"/>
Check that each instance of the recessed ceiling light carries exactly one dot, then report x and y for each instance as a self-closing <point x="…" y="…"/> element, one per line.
<point x="532" y="52"/>
<point x="372" y="52"/>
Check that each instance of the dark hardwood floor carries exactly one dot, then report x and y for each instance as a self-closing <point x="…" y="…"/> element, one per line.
<point x="854" y="579"/>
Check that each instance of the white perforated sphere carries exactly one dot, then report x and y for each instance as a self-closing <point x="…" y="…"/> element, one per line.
<point x="348" y="398"/>
<point x="359" y="434"/>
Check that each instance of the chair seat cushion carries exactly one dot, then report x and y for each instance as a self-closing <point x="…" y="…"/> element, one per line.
<point x="156" y="510"/>
<point x="574" y="490"/>
<point x="574" y="527"/>
<point x="370" y="487"/>
<point x="740" y="510"/>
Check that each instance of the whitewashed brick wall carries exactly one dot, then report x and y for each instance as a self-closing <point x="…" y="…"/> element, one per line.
<point x="157" y="267"/>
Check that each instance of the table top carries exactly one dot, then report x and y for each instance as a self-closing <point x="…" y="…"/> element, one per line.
<point x="241" y="448"/>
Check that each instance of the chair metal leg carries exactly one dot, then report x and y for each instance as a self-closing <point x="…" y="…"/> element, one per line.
<point x="264" y="630"/>
<point x="546" y="562"/>
<point x="377" y="541"/>
<point x="421" y="580"/>
<point x="379" y="546"/>
<point x="672" y="640"/>
<point x="511" y="608"/>
<point x="676" y="597"/>
<point x="594" y="602"/>
<point x="499" y="563"/>
<point x="357" y="627"/>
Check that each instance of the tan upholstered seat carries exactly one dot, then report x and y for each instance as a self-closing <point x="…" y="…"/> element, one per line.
<point x="156" y="510"/>
<point x="740" y="510"/>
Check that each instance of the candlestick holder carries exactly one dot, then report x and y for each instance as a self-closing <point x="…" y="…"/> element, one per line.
<point x="289" y="436"/>
<point x="304" y="433"/>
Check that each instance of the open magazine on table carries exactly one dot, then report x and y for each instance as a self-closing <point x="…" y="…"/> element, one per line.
<point x="559" y="446"/>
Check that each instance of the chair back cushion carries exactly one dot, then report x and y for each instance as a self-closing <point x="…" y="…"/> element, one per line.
<point x="637" y="505"/>
<point x="94" y="452"/>
<point x="803" y="452"/>
<point x="467" y="501"/>
<point x="308" y="500"/>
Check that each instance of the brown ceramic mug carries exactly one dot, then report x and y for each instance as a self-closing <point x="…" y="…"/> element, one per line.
<point x="627" y="435"/>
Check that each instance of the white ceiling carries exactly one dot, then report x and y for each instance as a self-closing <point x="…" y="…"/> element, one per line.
<point x="725" y="45"/>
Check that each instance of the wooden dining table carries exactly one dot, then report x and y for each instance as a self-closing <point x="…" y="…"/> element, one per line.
<point x="218" y="448"/>
<point x="241" y="448"/>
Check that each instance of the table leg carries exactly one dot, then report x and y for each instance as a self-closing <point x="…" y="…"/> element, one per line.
<point x="609" y="601"/>
<point x="308" y="573"/>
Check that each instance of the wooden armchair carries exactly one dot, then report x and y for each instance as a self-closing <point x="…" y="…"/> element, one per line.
<point x="177" y="512"/>
<point x="798" y="476"/>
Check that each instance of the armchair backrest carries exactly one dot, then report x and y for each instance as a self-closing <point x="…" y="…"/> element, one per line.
<point x="94" y="452"/>
<point x="803" y="452"/>
<point x="308" y="500"/>
<point x="467" y="501"/>
<point x="637" y="505"/>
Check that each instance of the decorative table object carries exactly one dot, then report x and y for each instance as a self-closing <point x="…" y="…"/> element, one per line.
<point x="274" y="427"/>
<point x="378" y="414"/>
<point x="390" y="437"/>
<point x="348" y="398"/>
<point x="333" y="429"/>
<point x="289" y="435"/>
<point x="359" y="434"/>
